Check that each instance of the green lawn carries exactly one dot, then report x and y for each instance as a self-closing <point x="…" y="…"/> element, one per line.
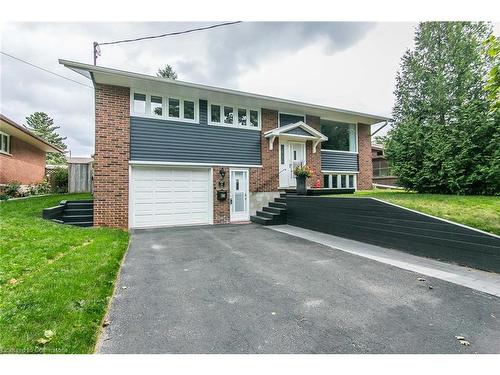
<point x="55" y="280"/>
<point x="481" y="212"/>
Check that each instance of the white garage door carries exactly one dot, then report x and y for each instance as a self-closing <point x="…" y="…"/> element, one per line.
<point x="169" y="196"/>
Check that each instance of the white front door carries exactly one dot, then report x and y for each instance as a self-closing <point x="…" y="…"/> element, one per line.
<point x="292" y="154"/>
<point x="239" y="195"/>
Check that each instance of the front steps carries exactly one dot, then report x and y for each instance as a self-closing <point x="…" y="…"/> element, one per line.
<point x="274" y="214"/>
<point x="79" y="213"/>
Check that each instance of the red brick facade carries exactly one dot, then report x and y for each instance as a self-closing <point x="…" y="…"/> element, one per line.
<point x="222" y="213"/>
<point x="112" y="154"/>
<point x="365" y="174"/>
<point x="25" y="164"/>
<point x="314" y="159"/>
<point x="266" y="178"/>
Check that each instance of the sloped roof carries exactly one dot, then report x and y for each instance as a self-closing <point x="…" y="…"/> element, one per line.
<point x="12" y="128"/>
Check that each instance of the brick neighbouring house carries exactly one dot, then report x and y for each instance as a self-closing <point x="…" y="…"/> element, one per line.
<point x="22" y="154"/>
<point x="165" y="149"/>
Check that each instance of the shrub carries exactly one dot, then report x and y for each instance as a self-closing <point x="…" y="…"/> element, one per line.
<point x="12" y="190"/>
<point x="59" y="180"/>
<point x="41" y="188"/>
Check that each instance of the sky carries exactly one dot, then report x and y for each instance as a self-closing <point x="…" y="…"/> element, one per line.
<point x="349" y="65"/>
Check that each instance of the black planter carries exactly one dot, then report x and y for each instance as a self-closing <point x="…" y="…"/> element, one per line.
<point x="301" y="185"/>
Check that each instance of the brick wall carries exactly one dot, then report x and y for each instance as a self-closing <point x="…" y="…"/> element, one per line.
<point x="266" y="179"/>
<point x="112" y="145"/>
<point x="365" y="175"/>
<point x="222" y="213"/>
<point x="25" y="165"/>
<point x="314" y="159"/>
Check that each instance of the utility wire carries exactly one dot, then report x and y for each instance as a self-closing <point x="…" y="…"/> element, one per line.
<point x="45" y="70"/>
<point x="171" y="34"/>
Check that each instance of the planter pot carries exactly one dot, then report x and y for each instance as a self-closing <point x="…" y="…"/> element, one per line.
<point x="301" y="185"/>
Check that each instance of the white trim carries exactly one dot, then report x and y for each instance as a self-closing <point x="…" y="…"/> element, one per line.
<point x="281" y="131"/>
<point x="6" y="151"/>
<point x="235" y="108"/>
<point x="247" y="195"/>
<point x="356" y="135"/>
<point x="130" y="198"/>
<point x="165" y="98"/>
<point x="343" y="152"/>
<point x="291" y="114"/>
<point x="211" y="196"/>
<point x="340" y="172"/>
<point x="188" y="164"/>
<point x="434" y="217"/>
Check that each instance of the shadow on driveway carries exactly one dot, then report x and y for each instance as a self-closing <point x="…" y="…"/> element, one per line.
<point x="248" y="289"/>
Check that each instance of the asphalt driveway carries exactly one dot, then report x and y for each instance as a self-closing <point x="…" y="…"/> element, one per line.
<point x="248" y="289"/>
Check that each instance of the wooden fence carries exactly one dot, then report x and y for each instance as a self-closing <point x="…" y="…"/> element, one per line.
<point x="80" y="177"/>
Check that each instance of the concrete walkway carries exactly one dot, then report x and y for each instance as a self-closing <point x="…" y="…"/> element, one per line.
<point x="486" y="282"/>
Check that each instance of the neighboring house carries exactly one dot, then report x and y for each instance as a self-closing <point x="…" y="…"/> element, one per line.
<point x="381" y="170"/>
<point x="22" y="154"/>
<point x="168" y="152"/>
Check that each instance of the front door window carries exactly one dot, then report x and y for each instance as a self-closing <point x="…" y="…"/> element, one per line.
<point x="292" y="155"/>
<point x="239" y="195"/>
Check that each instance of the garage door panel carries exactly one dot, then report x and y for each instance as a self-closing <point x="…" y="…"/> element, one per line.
<point x="170" y="196"/>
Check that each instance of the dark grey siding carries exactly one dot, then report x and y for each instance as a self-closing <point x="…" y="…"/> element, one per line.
<point x="173" y="141"/>
<point x="298" y="131"/>
<point x="203" y="112"/>
<point x="286" y="119"/>
<point x="379" y="223"/>
<point x="339" y="161"/>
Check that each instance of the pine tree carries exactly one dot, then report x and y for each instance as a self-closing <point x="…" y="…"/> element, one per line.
<point x="441" y="141"/>
<point x="43" y="126"/>
<point x="167" y="72"/>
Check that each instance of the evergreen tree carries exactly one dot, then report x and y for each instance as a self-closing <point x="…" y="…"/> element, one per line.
<point x="43" y="126"/>
<point x="167" y="72"/>
<point x="445" y="137"/>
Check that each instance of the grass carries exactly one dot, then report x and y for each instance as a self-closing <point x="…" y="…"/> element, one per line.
<point x="481" y="212"/>
<point x="55" y="280"/>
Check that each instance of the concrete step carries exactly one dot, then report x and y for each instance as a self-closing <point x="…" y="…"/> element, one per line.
<point x="277" y="204"/>
<point x="269" y="215"/>
<point x="261" y="220"/>
<point x="276" y="210"/>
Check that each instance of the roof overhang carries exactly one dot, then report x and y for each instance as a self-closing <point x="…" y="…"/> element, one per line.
<point x="20" y="132"/>
<point x="308" y="134"/>
<point x="109" y="76"/>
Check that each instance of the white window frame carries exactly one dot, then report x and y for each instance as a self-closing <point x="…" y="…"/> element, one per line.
<point x="291" y="114"/>
<point x="165" y="113"/>
<point x="7" y="150"/>
<point x="356" y="143"/>
<point x="343" y="173"/>
<point x="235" y="108"/>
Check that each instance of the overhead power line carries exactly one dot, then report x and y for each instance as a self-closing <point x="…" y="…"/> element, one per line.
<point x="170" y="34"/>
<point x="96" y="45"/>
<point x="45" y="70"/>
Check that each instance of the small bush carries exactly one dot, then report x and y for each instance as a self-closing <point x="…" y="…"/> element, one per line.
<point x="41" y="188"/>
<point x="59" y="180"/>
<point x="12" y="190"/>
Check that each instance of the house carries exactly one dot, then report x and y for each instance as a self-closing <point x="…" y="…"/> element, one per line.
<point x="22" y="154"/>
<point x="382" y="175"/>
<point x="169" y="152"/>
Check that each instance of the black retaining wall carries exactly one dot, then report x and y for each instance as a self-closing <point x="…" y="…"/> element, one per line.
<point x="369" y="220"/>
